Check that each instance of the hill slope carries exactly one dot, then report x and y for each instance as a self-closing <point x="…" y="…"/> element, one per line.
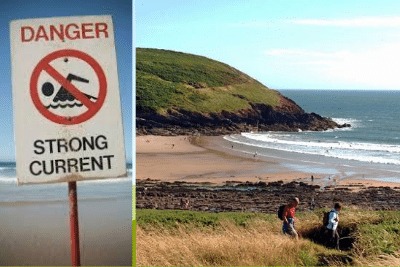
<point x="179" y="93"/>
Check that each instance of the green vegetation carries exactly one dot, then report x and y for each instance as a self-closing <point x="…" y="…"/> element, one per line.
<point x="257" y="238"/>
<point x="133" y="225"/>
<point x="178" y="81"/>
<point x="133" y="242"/>
<point x="173" y="218"/>
<point x="380" y="236"/>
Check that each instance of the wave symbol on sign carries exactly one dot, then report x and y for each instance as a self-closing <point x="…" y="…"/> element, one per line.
<point x="64" y="98"/>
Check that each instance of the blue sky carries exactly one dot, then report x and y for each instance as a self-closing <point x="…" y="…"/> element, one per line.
<point x="284" y="44"/>
<point x="121" y="10"/>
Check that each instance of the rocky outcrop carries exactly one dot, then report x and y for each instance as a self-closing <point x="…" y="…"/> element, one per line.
<point x="287" y="116"/>
<point x="259" y="197"/>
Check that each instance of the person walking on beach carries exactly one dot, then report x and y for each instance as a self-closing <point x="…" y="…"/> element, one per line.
<point x="333" y="222"/>
<point x="289" y="218"/>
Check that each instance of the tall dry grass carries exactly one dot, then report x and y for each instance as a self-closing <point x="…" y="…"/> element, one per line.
<point x="260" y="243"/>
<point x="382" y="260"/>
<point x="178" y="238"/>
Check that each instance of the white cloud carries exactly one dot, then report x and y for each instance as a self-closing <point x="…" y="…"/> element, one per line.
<point x="352" y="22"/>
<point x="374" y="68"/>
<point x="377" y="67"/>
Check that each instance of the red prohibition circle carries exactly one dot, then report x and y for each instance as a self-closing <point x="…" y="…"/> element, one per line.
<point x="92" y="107"/>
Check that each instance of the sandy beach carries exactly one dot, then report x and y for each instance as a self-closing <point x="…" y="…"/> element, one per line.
<point x="37" y="232"/>
<point x="194" y="159"/>
<point x="212" y="159"/>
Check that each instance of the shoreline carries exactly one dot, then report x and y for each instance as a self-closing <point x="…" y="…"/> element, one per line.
<point x="213" y="159"/>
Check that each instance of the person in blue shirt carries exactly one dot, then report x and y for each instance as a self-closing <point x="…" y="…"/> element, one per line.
<point x="333" y="223"/>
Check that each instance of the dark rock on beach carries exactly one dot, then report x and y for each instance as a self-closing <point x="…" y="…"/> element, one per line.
<point x="258" y="197"/>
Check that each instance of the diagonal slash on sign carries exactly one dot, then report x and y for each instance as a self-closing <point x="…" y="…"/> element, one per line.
<point x="92" y="107"/>
<point x="68" y="86"/>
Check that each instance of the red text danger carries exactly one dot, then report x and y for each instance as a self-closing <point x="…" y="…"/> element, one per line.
<point x="62" y="32"/>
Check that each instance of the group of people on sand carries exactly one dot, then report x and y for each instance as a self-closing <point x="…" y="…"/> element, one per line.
<point x="331" y="229"/>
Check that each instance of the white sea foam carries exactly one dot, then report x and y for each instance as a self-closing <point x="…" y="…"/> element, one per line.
<point x="108" y="180"/>
<point x="360" y="151"/>
<point x="7" y="168"/>
<point x="353" y="122"/>
<point x="8" y="180"/>
<point x="279" y="139"/>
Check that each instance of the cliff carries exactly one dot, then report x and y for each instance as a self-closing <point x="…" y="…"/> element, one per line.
<point x="178" y="93"/>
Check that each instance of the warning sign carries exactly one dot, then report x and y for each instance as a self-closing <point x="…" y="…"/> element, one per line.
<point x="67" y="112"/>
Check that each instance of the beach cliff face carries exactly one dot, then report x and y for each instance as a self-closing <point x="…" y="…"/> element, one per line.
<point x="183" y="94"/>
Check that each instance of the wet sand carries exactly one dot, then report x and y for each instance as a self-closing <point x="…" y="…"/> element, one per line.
<point x="193" y="159"/>
<point x="37" y="233"/>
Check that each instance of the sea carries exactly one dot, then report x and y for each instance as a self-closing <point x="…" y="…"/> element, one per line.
<point x="369" y="149"/>
<point x="102" y="189"/>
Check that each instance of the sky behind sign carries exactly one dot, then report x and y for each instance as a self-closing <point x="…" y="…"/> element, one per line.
<point x="121" y="12"/>
<point x="284" y="44"/>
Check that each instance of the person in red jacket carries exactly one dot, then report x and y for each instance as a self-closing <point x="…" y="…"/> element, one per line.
<point x="289" y="218"/>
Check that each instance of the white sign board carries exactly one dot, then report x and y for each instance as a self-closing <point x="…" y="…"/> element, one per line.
<point x="67" y="111"/>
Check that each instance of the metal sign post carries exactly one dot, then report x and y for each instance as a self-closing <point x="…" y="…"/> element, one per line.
<point x="74" y="225"/>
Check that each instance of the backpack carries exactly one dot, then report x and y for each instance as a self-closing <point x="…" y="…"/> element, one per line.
<point x="280" y="211"/>
<point x="325" y="220"/>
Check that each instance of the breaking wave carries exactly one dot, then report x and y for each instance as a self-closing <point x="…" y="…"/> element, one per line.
<point x="304" y="144"/>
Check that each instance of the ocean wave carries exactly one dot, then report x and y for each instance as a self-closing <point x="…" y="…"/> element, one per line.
<point x="7" y="168"/>
<point x="107" y="181"/>
<point x="353" y="122"/>
<point x="365" y="152"/>
<point x="8" y="180"/>
<point x="345" y="120"/>
<point x="278" y="139"/>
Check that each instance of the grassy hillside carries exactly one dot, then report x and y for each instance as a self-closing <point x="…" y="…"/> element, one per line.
<point x="187" y="238"/>
<point x="179" y="81"/>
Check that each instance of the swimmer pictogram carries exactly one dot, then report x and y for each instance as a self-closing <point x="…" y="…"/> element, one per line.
<point x="70" y="103"/>
<point x="64" y="99"/>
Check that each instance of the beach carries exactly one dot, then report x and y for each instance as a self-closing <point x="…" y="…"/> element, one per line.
<point x="213" y="159"/>
<point x="213" y="174"/>
<point x="34" y="223"/>
<point x="200" y="159"/>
